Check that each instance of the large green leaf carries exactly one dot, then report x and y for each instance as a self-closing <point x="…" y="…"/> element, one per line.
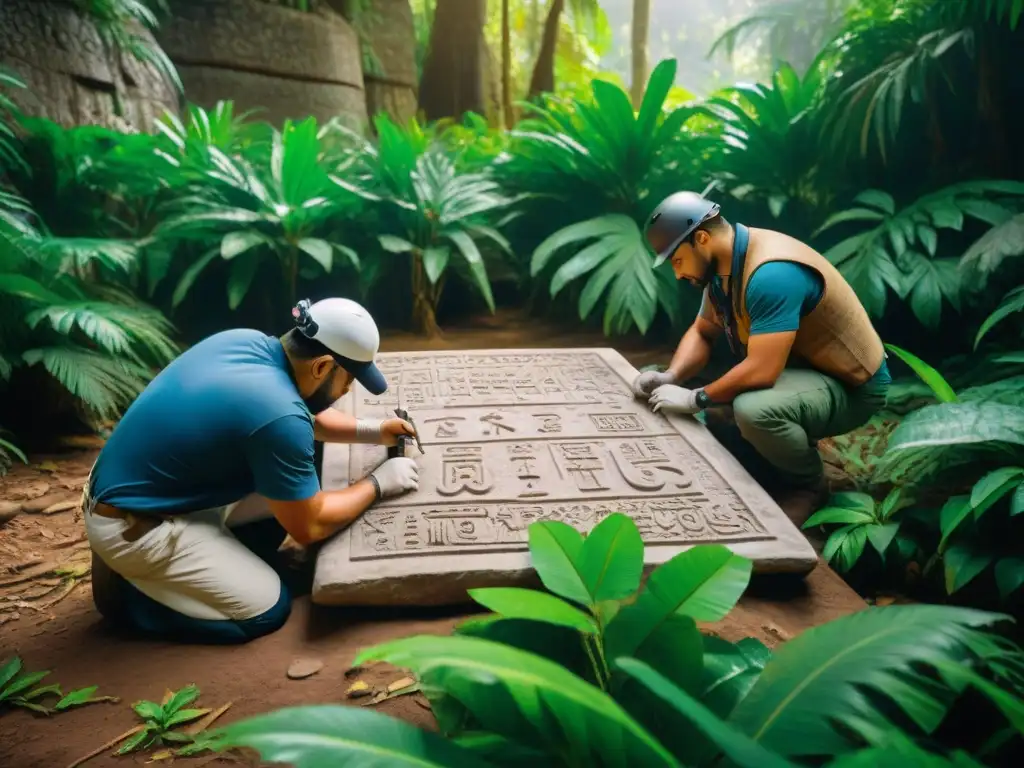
<point x="612" y="559"/>
<point x="467" y="247"/>
<point x="954" y="511"/>
<point x="943" y="391"/>
<point x="1009" y="574"/>
<point x="240" y="279"/>
<point x="937" y="437"/>
<point x="676" y="650"/>
<point x="526" y="698"/>
<point x="8" y="670"/>
<point x="730" y="671"/>
<point x="435" y="261"/>
<point x="236" y="243"/>
<point x="584" y="230"/>
<point x="1012" y="303"/>
<point x="332" y="735"/>
<point x="818" y="678"/>
<point x="740" y="749"/>
<point x="515" y="603"/>
<point x="703" y="583"/>
<point x="320" y="251"/>
<point x="837" y="515"/>
<point x="190" y="275"/>
<point x="962" y="564"/>
<point x="555" y="549"/>
<point x="993" y="487"/>
<point x="1010" y="705"/>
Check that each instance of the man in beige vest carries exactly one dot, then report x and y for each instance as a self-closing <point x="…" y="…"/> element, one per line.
<point x="812" y="366"/>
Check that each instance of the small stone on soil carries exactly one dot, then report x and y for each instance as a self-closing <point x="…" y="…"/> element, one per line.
<point x="9" y="510"/>
<point x="35" y="506"/>
<point x="303" y="668"/>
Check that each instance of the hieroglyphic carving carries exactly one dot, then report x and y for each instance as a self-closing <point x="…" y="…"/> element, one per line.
<point x="582" y="463"/>
<point x="646" y="466"/>
<point x="524" y="459"/>
<point x="462" y="469"/>
<point x="497" y="422"/>
<point x="616" y="422"/>
<point x="572" y="461"/>
<point x="503" y="527"/>
<point x="447" y="426"/>
<point x="550" y="423"/>
<point x="462" y="380"/>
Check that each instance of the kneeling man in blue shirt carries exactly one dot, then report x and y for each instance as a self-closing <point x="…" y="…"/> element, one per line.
<point x="213" y="465"/>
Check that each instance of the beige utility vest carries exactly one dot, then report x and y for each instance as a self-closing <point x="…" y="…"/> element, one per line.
<point x="837" y="337"/>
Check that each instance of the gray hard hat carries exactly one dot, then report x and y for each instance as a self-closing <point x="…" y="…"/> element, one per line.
<point x="674" y="220"/>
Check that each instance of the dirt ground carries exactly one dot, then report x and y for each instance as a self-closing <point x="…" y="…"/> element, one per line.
<point x="47" y="616"/>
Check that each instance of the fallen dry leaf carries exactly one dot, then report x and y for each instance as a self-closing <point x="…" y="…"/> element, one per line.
<point x="201" y="725"/>
<point x="47" y="466"/>
<point x="376" y="699"/>
<point x="61" y="506"/>
<point x="303" y="668"/>
<point x="358" y="690"/>
<point x="401" y="683"/>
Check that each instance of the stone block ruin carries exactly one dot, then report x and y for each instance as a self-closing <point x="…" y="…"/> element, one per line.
<point x="516" y="436"/>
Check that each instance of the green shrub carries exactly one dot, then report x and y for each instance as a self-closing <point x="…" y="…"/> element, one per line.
<point x="605" y="672"/>
<point x="603" y="168"/>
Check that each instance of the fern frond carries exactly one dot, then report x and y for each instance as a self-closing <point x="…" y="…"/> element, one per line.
<point x="105" y="385"/>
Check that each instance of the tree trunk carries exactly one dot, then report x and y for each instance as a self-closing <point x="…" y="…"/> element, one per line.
<point x="641" y="29"/>
<point x="454" y="77"/>
<point x="424" y="300"/>
<point x="543" y="79"/>
<point x="506" y="65"/>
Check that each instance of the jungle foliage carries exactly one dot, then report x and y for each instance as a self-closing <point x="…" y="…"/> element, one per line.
<point x="601" y="670"/>
<point x="889" y="150"/>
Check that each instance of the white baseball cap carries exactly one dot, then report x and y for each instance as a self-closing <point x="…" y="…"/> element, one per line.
<point x="348" y="331"/>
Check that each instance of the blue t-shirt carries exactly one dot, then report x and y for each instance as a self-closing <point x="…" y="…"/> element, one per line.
<point x="222" y="421"/>
<point x="780" y="293"/>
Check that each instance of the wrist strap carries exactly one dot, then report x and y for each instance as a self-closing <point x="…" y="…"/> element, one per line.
<point x="702" y="399"/>
<point x="368" y="432"/>
<point x="376" y="488"/>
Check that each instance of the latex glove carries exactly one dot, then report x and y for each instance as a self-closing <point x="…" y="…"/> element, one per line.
<point x="397" y="476"/>
<point x="392" y="429"/>
<point x="646" y="383"/>
<point x="672" y="399"/>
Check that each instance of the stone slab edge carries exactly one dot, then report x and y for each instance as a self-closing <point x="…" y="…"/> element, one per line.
<point x="790" y="552"/>
<point x="264" y="39"/>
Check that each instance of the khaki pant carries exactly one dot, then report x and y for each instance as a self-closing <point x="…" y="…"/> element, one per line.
<point x="774" y="432"/>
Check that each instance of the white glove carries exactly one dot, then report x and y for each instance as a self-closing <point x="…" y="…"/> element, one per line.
<point x="647" y="382"/>
<point x="397" y="476"/>
<point x="671" y="399"/>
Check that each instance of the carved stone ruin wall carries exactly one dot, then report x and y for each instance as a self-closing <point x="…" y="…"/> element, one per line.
<point x="72" y="78"/>
<point x="512" y="438"/>
<point x="283" y="62"/>
<point x="391" y="83"/>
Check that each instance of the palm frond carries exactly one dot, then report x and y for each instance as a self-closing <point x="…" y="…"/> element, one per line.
<point x="104" y="385"/>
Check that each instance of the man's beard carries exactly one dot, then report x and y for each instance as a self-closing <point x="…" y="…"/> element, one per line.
<point x="709" y="273"/>
<point x="321" y="399"/>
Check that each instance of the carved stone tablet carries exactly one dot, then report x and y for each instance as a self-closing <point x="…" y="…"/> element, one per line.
<point x="515" y="436"/>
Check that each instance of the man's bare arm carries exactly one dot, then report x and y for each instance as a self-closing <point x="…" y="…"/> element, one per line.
<point x="694" y="349"/>
<point x="316" y="518"/>
<point x="333" y="426"/>
<point x="767" y="355"/>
